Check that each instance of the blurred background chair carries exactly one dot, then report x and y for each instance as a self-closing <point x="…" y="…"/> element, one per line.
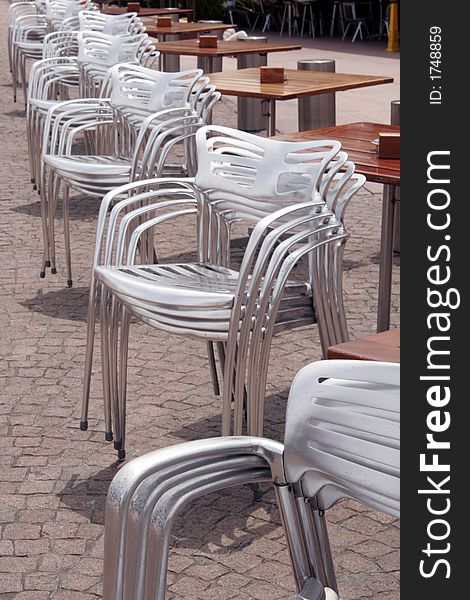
<point x="357" y="16"/>
<point x="310" y="16"/>
<point x="341" y="441"/>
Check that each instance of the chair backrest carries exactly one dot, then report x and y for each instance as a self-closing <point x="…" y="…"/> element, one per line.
<point x="91" y="20"/>
<point x="58" y="10"/>
<point x="140" y="89"/>
<point x="60" y="43"/>
<point x="97" y="48"/>
<point x="19" y="9"/>
<point x="354" y="11"/>
<point x="342" y="433"/>
<point x="232" y="162"/>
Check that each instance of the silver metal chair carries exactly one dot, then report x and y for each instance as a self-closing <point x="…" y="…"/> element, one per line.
<point x="27" y="40"/>
<point x="53" y="79"/>
<point x="341" y="441"/>
<point x="357" y="15"/>
<point x="208" y="299"/>
<point x="15" y="11"/>
<point x="99" y="51"/>
<point x="127" y="23"/>
<point x="111" y="157"/>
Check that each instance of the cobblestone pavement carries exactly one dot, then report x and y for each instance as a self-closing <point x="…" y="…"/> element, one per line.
<point x="54" y="477"/>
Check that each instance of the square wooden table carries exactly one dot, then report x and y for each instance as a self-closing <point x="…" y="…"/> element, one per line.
<point x="224" y="48"/>
<point x="356" y="139"/>
<point x="383" y="346"/>
<point x="298" y="83"/>
<point x="178" y="28"/>
<point x="148" y="12"/>
<point x="170" y="61"/>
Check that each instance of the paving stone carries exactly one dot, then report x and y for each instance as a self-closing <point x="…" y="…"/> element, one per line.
<point x="11" y="582"/>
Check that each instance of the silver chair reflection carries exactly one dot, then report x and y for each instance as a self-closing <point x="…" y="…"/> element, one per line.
<point x="341" y="441"/>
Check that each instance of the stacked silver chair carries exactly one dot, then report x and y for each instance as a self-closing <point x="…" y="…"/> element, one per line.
<point x="65" y="43"/>
<point x="113" y="158"/>
<point x="341" y="441"/>
<point x="27" y="35"/>
<point x="15" y="11"/>
<point x="53" y="79"/>
<point x="296" y="212"/>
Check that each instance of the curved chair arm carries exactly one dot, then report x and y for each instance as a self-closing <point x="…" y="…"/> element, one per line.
<point x="63" y="116"/>
<point x="168" y="478"/>
<point x="124" y="198"/>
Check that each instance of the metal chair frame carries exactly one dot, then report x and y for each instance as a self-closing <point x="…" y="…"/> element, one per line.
<point x="341" y="441"/>
<point x="225" y="166"/>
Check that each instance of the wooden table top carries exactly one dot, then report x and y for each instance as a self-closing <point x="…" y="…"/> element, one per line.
<point x="246" y="82"/>
<point x="191" y="48"/>
<point x="356" y="139"/>
<point x="383" y="346"/>
<point x="147" y="12"/>
<point x="180" y="28"/>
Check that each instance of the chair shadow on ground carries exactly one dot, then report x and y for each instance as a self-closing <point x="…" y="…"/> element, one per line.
<point x="219" y="519"/>
<point x="67" y="303"/>
<point x="220" y="522"/>
<point x="274" y="414"/>
<point x="83" y="208"/>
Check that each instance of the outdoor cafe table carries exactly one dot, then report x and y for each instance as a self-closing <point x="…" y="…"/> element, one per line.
<point x="179" y="28"/>
<point x="224" y="48"/>
<point x="384" y="346"/>
<point x="148" y="12"/>
<point x="171" y="61"/>
<point x="297" y="84"/>
<point x="356" y="139"/>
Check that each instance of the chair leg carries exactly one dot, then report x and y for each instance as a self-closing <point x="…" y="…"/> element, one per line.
<point x="68" y="251"/>
<point x="283" y="20"/>
<point x="321" y="532"/>
<point x="53" y="187"/>
<point x="213" y="368"/>
<point x="303" y="21"/>
<point x="358" y="31"/>
<point x="123" y="358"/>
<point x="105" y="364"/>
<point x="90" y="343"/>
<point x="293" y="531"/>
<point x="113" y="345"/>
<point x="45" y="231"/>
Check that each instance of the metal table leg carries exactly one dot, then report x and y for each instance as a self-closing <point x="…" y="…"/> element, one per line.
<point x="270" y="117"/>
<point x="208" y="64"/>
<point x="386" y="257"/>
<point x="170" y="62"/>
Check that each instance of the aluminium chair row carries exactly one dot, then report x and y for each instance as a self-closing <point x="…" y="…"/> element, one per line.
<point x="341" y="441"/>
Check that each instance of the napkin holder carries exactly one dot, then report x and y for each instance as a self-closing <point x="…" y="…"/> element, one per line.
<point x="164" y="21"/>
<point x="389" y="145"/>
<point x="133" y="7"/>
<point x="208" y="41"/>
<point x="271" y="74"/>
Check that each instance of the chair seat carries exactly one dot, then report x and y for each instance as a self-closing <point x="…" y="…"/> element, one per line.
<point x="45" y="105"/>
<point x="194" y="285"/>
<point x="90" y="165"/>
<point x="196" y="297"/>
